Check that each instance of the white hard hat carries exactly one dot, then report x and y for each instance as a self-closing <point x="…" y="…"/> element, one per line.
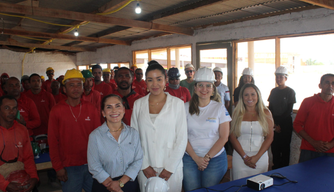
<point x="282" y="70"/>
<point x="156" y="184"/>
<point x="188" y="66"/>
<point x="218" y="69"/>
<point x="204" y="74"/>
<point x="247" y="71"/>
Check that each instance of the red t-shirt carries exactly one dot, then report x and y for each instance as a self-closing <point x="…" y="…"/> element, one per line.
<point x="18" y="136"/>
<point x="94" y="98"/>
<point x="182" y="93"/>
<point x="316" y="118"/>
<point x="103" y="88"/>
<point x="140" y="87"/>
<point x="47" y="85"/>
<point x="59" y="97"/>
<point x="68" y="138"/>
<point x="131" y="98"/>
<point x="29" y="112"/>
<point x="44" y="102"/>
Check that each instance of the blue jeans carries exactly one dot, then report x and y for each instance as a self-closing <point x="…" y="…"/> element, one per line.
<point x="212" y="175"/>
<point x="306" y="155"/>
<point x="78" y="178"/>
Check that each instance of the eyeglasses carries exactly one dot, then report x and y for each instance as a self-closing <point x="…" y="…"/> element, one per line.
<point x="173" y="78"/>
<point x="189" y="71"/>
<point x="139" y="73"/>
<point x="208" y="86"/>
<point x="4" y="146"/>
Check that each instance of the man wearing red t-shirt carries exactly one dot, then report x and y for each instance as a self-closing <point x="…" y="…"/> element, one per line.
<point x="174" y="87"/>
<point x="100" y="86"/>
<point x="139" y="85"/>
<point x="70" y="123"/>
<point x="315" y="122"/>
<point x="29" y="116"/>
<point x="55" y="86"/>
<point x="106" y="78"/>
<point x="15" y="146"/>
<point x="89" y="94"/>
<point x="123" y="78"/>
<point x="44" y="102"/>
<point x="47" y="84"/>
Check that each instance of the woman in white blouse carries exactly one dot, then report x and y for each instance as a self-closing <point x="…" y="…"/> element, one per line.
<point x="205" y="162"/>
<point x="161" y="121"/>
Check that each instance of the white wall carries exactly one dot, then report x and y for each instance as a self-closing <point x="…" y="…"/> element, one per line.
<point x="11" y="61"/>
<point x="295" y="23"/>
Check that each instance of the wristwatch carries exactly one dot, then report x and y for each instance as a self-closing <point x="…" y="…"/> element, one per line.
<point x="120" y="183"/>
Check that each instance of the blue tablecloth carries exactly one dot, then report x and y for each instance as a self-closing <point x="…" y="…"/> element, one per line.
<point x="316" y="175"/>
<point x="45" y="157"/>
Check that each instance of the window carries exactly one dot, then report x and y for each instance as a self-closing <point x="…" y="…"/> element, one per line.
<point x="307" y="59"/>
<point x="168" y="57"/>
<point x="260" y="56"/>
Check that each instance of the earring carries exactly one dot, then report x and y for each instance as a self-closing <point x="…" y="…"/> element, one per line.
<point x="147" y="90"/>
<point x="165" y="88"/>
<point x="212" y="94"/>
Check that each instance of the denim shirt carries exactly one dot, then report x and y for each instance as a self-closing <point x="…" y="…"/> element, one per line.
<point x="110" y="158"/>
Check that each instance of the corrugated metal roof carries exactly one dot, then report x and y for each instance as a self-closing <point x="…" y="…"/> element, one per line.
<point x="173" y="12"/>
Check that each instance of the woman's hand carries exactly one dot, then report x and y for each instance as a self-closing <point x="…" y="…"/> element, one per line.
<point x="149" y="172"/>
<point x="165" y="174"/>
<point x="114" y="187"/>
<point x="201" y="162"/>
<point x="107" y="182"/>
<point x="248" y="161"/>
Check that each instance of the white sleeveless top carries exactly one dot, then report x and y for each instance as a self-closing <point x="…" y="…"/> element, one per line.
<point x="251" y="136"/>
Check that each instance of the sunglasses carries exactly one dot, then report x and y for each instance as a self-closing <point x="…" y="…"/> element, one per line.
<point x="50" y="73"/>
<point x="190" y="71"/>
<point x="172" y="79"/>
<point x="139" y="73"/>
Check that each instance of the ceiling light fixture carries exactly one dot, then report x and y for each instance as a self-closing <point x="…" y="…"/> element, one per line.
<point x="76" y="33"/>
<point x="138" y="8"/>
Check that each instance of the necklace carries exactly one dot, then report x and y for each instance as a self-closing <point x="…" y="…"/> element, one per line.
<point x="76" y="119"/>
<point x="155" y="104"/>
<point x="117" y="129"/>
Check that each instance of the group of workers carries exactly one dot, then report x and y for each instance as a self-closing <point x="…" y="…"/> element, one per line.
<point x="124" y="133"/>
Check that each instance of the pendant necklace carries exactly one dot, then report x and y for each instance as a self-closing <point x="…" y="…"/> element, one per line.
<point x="117" y="129"/>
<point x="76" y="119"/>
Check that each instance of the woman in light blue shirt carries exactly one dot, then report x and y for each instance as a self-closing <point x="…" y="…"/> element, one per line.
<point x="114" y="151"/>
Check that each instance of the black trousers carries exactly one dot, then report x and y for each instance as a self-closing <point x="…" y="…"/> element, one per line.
<point x="130" y="186"/>
<point x="280" y="146"/>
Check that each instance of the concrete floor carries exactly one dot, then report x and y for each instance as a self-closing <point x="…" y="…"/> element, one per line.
<point x="45" y="185"/>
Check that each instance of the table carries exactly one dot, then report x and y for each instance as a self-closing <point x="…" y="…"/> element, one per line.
<point x="43" y="162"/>
<point x="316" y="175"/>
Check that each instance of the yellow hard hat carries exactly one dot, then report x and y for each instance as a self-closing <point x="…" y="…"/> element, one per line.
<point x="42" y="77"/>
<point x="106" y="70"/>
<point x="73" y="74"/>
<point x="49" y="69"/>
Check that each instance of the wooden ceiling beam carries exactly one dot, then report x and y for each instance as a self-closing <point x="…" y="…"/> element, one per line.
<point x="71" y="15"/>
<point x="329" y="4"/>
<point x="65" y="48"/>
<point x="63" y="36"/>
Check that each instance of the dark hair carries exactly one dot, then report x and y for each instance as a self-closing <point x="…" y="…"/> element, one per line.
<point x="96" y="67"/>
<point x="137" y="70"/>
<point x="33" y="75"/>
<point x="153" y="62"/>
<point x="324" y="76"/>
<point x="7" y="97"/>
<point x="103" y="102"/>
<point x="155" y="67"/>
<point x="125" y="68"/>
<point x="241" y="81"/>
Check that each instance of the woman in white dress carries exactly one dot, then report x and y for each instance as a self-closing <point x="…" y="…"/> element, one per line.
<point x="161" y="121"/>
<point x="251" y="134"/>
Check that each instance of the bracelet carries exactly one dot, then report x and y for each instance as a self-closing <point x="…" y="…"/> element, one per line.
<point x="208" y="156"/>
<point x="243" y="157"/>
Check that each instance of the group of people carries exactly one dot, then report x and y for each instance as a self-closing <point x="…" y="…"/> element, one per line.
<point x="120" y="133"/>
